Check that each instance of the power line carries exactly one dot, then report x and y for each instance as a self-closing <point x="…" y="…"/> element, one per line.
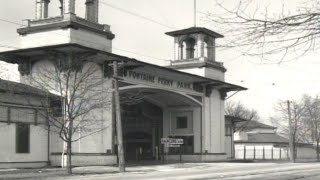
<point x="10" y="22"/>
<point x="137" y="15"/>
<point x="120" y="49"/>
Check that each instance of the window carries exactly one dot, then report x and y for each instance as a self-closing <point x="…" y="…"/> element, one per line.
<point x="182" y="122"/>
<point x="22" y="138"/>
<point x="228" y="130"/>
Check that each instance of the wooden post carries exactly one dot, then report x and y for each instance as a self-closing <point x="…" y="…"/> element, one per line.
<point x="254" y="152"/>
<point x="280" y="153"/>
<point x="263" y="153"/>
<point x="180" y="153"/>
<point x="244" y="152"/>
<point x="272" y="153"/>
<point x="317" y="139"/>
<point x="118" y="118"/>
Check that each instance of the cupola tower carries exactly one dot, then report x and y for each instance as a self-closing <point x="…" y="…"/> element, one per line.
<point x="67" y="27"/>
<point x="195" y="52"/>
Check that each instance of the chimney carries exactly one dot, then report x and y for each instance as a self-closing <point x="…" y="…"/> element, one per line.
<point x="92" y="10"/>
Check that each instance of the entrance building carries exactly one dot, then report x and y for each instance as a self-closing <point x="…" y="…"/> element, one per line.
<point x="183" y="100"/>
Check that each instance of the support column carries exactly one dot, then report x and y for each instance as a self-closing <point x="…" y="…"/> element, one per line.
<point x="69" y="7"/>
<point x="42" y="9"/>
<point x="200" y="44"/>
<point x="176" y="49"/>
<point x="181" y="52"/>
<point x="212" y="50"/>
<point x="92" y="10"/>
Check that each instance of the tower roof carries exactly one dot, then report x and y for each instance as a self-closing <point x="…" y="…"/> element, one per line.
<point x="193" y="30"/>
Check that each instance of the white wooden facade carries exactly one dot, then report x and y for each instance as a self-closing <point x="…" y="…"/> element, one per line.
<point x="191" y="90"/>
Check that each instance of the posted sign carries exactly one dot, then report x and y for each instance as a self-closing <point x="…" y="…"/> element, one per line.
<point x="171" y="141"/>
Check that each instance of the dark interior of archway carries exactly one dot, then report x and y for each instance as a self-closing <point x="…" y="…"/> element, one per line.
<point x="142" y="130"/>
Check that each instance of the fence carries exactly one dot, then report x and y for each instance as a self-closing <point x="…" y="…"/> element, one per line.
<point x="261" y="153"/>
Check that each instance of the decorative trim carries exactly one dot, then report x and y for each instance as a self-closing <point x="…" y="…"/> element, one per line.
<point x="24" y="67"/>
<point x="186" y="65"/>
<point x="65" y="25"/>
<point x="9" y="115"/>
<point x="223" y="94"/>
<point x="208" y="90"/>
<point x="35" y="117"/>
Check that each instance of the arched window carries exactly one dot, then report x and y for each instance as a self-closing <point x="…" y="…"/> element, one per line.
<point x="188" y="48"/>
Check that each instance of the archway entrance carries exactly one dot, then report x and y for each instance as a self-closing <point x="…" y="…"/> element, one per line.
<point x="144" y="120"/>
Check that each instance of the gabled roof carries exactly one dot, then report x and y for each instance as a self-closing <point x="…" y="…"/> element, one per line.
<point x="193" y="30"/>
<point x="234" y="119"/>
<point x="264" y="138"/>
<point x="23" y="89"/>
<point x="249" y="125"/>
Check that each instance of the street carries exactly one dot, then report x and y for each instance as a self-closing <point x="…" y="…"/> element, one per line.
<point x="200" y="171"/>
<point x="230" y="171"/>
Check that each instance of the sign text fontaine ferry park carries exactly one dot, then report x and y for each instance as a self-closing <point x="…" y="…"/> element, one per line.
<point x="157" y="80"/>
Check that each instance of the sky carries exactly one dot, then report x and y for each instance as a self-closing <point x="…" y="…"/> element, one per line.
<point x="139" y="38"/>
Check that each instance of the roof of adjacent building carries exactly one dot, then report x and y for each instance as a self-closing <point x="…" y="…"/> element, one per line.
<point x="234" y="118"/>
<point x="193" y="30"/>
<point x="249" y="125"/>
<point x="264" y="138"/>
<point x="273" y="138"/>
<point x="19" y="88"/>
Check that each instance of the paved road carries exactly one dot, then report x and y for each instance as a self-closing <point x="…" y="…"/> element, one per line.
<point x="195" y="171"/>
<point x="309" y="171"/>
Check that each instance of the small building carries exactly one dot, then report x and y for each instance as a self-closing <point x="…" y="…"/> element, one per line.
<point x="255" y="140"/>
<point x="23" y="125"/>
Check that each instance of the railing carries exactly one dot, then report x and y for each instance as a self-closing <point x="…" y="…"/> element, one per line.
<point x="44" y="21"/>
<point x="82" y="21"/>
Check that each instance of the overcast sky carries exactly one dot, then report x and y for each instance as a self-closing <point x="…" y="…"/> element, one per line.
<point x="267" y="83"/>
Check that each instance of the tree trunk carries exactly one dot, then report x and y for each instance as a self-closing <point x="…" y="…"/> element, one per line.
<point x="318" y="149"/>
<point x="69" y="148"/>
<point x="69" y="151"/>
<point x="291" y="138"/>
<point x="118" y="119"/>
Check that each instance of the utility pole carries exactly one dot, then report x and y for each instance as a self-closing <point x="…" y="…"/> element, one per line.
<point x="122" y="167"/>
<point x="292" y="156"/>
<point x="317" y="139"/>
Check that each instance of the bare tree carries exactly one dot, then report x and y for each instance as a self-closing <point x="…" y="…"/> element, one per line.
<point x="262" y="31"/>
<point x="312" y="119"/>
<point x="299" y="128"/>
<point x="83" y="93"/>
<point x="238" y="110"/>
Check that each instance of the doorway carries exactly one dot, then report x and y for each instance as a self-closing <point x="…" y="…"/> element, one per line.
<point x="142" y="125"/>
